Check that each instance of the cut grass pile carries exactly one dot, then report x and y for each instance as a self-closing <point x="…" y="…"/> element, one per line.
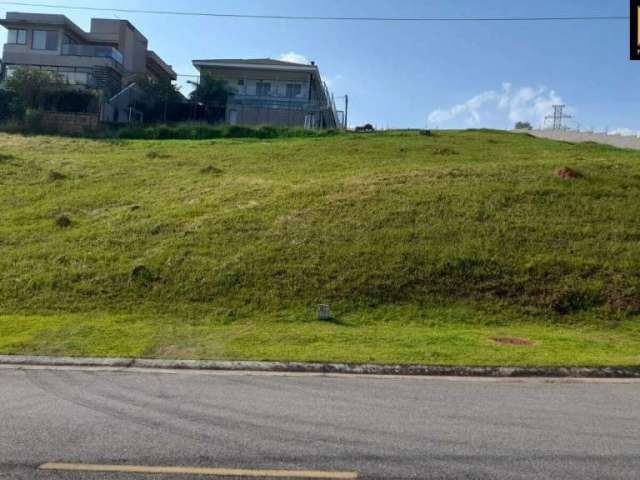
<point x="427" y="248"/>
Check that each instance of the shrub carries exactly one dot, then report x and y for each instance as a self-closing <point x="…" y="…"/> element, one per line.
<point x="11" y="106"/>
<point x="34" y="121"/>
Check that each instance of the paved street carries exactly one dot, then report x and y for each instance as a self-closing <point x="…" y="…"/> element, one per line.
<point x="391" y="428"/>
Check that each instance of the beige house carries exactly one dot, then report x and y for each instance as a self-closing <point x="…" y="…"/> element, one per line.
<point x="108" y="57"/>
<point x="273" y="92"/>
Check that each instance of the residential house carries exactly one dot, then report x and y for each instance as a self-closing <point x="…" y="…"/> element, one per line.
<point x="108" y="57"/>
<point x="273" y="92"/>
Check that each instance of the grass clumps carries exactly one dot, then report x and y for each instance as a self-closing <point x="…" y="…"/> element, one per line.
<point x="223" y="248"/>
<point x="198" y="131"/>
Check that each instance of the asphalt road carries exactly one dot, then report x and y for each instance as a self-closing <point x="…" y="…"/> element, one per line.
<point x="391" y="428"/>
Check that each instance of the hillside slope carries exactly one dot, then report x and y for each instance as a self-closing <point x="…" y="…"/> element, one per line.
<point x="470" y="227"/>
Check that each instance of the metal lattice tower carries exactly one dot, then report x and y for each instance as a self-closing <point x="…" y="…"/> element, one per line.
<point x="558" y="116"/>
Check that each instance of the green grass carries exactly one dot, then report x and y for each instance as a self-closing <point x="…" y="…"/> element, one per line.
<point x="425" y="248"/>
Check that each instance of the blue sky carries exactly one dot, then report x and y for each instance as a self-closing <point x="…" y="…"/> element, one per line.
<point x="445" y="75"/>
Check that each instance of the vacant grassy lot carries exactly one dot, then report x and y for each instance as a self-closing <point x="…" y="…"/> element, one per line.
<point x="428" y="249"/>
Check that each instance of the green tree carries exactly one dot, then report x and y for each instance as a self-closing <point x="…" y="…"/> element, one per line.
<point x="34" y="86"/>
<point x="523" y="126"/>
<point x="213" y="95"/>
<point x="163" y="100"/>
<point x="10" y="105"/>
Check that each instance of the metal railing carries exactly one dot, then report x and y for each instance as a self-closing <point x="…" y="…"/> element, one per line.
<point x="92" y="51"/>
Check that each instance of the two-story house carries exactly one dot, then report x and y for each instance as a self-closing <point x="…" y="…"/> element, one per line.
<point x="108" y="57"/>
<point x="273" y="92"/>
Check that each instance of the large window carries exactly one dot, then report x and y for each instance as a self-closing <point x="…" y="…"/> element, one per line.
<point x="17" y="37"/>
<point x="263" y="89"/>
<point x="293" y="90"/>
<point x="45" y="40"/>
<point x="67" y="40"/>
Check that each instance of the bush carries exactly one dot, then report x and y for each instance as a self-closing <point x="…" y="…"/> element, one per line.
<point x="34" y="121"/>
<point x="11" y="106"/>
<point x="523" y="126"/>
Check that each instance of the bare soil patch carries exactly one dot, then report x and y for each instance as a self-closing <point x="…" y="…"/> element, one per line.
<point x="568" y="173"/>
<point x="512" y="341"/>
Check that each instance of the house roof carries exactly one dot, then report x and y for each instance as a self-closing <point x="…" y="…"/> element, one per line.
<point x="257" y="63"/>
<point x="253" y="61"/>
<point x="21" y="19"/>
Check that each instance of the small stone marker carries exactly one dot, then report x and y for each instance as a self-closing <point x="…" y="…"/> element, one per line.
<point x="323" y="312"/>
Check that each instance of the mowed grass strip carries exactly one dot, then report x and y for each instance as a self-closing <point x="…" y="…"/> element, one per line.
<point x="426" y="248"/>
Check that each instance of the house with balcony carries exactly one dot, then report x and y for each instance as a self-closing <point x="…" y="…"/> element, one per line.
<point x="273" y="92"/>
<point x="107" y="58"/>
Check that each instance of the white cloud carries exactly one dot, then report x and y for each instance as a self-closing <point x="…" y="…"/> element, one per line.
<point x="501" y="108"/>
<point x="331" y="81"/>
<point x="293" y="57"/>
<point x="624" y="131"/>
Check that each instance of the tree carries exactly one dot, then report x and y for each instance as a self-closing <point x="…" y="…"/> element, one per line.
<point x="10" y="105"/>
<point x="34" y="86"/>
<point x="523" y="126"/>
<point x="163" y="100"/>
<point x="37" y="89"/>
<point x="213" y="94"/>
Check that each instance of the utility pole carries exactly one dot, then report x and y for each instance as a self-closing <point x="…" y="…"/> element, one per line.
<point x="558" y="116"/>
<point x="346" y="111"/>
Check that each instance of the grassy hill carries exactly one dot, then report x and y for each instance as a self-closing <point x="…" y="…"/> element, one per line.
<point x="426" y="248"/>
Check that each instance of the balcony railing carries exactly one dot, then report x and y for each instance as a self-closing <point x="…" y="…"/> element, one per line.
<point x="93" y="51"/>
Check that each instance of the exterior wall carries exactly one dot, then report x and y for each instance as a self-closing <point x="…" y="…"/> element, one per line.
<point x="247" y="115"/>
<point x="246" y="107"/>
<point x="70" y="122"/>
<point x="128" y="40"/>
<point x="620" y="141"/>
<point x="278" y="80"/>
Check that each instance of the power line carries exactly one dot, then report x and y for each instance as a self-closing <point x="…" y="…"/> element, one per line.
<point x="325" y="18"/>
<point x="558" y="116"/>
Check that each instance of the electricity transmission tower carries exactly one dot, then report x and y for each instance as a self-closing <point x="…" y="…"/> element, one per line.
<point x="558" y="116"/>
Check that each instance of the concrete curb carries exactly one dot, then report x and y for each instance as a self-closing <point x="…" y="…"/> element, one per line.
<point x="342" y="368"/>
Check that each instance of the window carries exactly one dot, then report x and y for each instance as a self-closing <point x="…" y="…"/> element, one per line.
<point x="17" y="37"/>
<point x="45" y="40"/>
<point x="263" y="89"/>
<point x="67" y="40"/>
<point x="293" y="90"/>
<point x="241" y="82"/>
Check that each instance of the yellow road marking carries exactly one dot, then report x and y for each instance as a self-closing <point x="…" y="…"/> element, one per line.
<point x="221" y="472"/>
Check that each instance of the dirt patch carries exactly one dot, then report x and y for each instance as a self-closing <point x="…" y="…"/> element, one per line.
<point x="56" y="176"/>
<point x="211" y="170"/>
<point x="153" y="155"/>
<point x="512" y="341"/>
<point x="568" y="173"/>
<point x="63" y="221"/>
<point x="141" y="275"/>
<point x="444" y="151"/>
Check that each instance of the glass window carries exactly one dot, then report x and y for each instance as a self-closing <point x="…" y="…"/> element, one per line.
<point x="45" y="40"/>
<point x="67" y="40"/>
<point x="293" y="89"/>
<point x="17" y="37"/>
<point x="241" y="82"/>
<point x="11" y="69"/>
<point x="263" y="89"/>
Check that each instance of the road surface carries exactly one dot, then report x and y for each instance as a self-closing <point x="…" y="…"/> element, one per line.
<point x="375" y="428"/>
